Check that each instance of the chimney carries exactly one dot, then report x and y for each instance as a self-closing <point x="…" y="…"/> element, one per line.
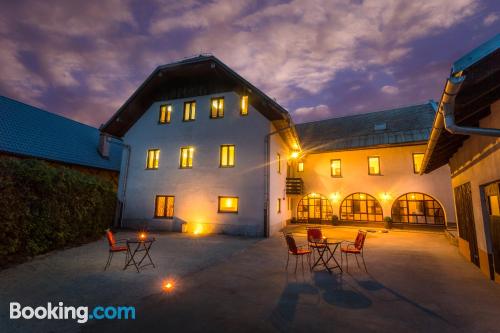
<point x="103" y="145"/>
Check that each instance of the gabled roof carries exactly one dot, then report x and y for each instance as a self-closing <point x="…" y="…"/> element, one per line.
<point x="29" y="131"/>
<point x="481" y="87"/>
<point x="405" y="125"/>
<point x="201" y="75"/>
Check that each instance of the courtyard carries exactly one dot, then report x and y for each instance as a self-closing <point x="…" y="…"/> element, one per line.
<point x="416" y="281"/>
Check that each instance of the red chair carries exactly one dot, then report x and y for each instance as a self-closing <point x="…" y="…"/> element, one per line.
<point x="355" y="248"/>
<point x="315" y="240"/>
<point x="113" y="247"/>
<point x="296" y="251"/>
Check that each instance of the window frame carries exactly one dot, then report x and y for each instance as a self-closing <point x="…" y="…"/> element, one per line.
<point x="298" y="166"/>
<point x="168" y="114"/>
<point x="156" y="158"/>
<point x="226" y="211"/>
<point x="331" y="168"/>
<point x="228" y="146"/>
<point x="190" y="150"/>
<point x="218" y="115"/>
<point x="191" y="113"/>
<point x="244" y="114"/>
<point x="165" y="209"/>
<point x="379" y="166"/>
<point x="413" y="161"/>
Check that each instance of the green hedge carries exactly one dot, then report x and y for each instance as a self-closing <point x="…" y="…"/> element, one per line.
<point x="45" y="207"/>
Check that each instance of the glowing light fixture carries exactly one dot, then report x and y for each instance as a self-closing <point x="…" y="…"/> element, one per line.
<point x="142" y="235"/>
<point x="334" y="197"/>
<point x="385" y="196"/>
<point x="198" y="230"/>
<point x="168" y="286"/>
<point x="294" y="154"/>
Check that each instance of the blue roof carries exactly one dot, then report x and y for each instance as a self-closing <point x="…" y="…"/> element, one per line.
<point x="30" y="131"/>
<point x="475" y="55"/>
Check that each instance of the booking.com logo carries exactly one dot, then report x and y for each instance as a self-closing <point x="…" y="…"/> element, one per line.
<point x="81" y="313"/>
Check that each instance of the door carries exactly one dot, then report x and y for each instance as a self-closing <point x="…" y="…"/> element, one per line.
<point x="314" y="208"/>
<point x="465" y="217"/>
<point x="492" y="198"/>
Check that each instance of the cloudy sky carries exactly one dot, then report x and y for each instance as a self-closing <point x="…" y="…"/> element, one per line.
<point x="318" y="58"/>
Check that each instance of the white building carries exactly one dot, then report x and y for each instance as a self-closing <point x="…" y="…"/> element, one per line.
<point x="200" y="138"/>
<point x="208" y="149"/>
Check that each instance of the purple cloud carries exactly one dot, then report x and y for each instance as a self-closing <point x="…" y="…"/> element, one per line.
<point x="318" y="58"/>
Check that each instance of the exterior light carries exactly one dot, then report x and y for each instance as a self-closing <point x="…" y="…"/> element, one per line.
<point x="198" y="229"/>
<point x="294" y="154"/>
<point x="334" y="197"/>
<point x="313" y="194"/>
<point x="168" y="286"/>
<point x="385" y="196"/>
<point x="142" y="235"/>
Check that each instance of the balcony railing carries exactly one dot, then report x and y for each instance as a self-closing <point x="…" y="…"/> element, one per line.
<point x="294" y="186"/>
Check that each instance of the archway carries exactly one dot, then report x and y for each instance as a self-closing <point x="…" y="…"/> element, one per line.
<point x="314" y="208"/>
<point x="417" y="208"/>
<point x="361" y="207"/>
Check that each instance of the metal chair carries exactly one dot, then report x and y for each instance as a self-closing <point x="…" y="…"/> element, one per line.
<point x="113" y="247"/>
<point x="315" y="240"/>
<point x="296" y="251"/>
<point x="356" y="248"/>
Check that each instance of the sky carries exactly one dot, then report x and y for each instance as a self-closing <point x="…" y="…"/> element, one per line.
<point x="318" y="58"/>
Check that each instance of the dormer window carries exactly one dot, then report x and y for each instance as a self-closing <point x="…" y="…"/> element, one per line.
<point x="165" y="113"/>
<point x="380" y="126"/>
<point x="217" y="107"/>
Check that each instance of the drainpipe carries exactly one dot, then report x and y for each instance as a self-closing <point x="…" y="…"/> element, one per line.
<point x="267" y="177"/>
<point x="125" y="176"/>
<point x="445" y="119"/>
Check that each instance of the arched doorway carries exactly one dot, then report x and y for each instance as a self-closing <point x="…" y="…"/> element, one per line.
<point x="360" y="207"/>
<point x="314" y="208"/>
<point x="417" y="208"/>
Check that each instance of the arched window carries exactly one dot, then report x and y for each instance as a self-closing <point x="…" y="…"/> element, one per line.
<point x="361" y="207"/>
<point x="417" y="208"/>
<point x="314" y="208"/>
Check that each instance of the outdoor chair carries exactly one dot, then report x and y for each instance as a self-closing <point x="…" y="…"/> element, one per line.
<point x="113" y="247"/>
<point x="356" y="248"/>
<point x="315" y="240"/>
<point x="296" y="251"/>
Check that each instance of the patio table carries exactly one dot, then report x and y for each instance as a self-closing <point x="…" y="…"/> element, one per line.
<point x="327" y="251"/>
<point x="136" y="247"/>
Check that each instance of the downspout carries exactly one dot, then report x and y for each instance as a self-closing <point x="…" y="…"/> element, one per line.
<point x="445" y="119"/>
<point x="267" y="177"/>
<point x="125" y="177"/>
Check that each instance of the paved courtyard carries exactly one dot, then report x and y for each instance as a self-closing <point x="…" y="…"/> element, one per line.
<point x="415" y="282"/>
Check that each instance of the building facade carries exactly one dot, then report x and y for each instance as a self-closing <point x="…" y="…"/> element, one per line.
<point x="208" y="156"/>
<point x="465" y="136"/>
<point x="366" y="167"/>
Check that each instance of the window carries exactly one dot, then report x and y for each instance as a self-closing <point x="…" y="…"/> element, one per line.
<point x="165" y="112"/>
<point x="189" y="111"/>
<point x="417" y="208"/>
<point x="278" y="206"/>
<point x="153" y="159"/>
<point x="186" y="157"/>
<point x="228" y="204"/>
<point x="278" y="160"/>
<point x="417" y="162"/>
<point x="164" y="206"/>
<point x="217" y="107"/>
<point x="244" y="106"/>
<point x="336" y="169"/>
<point x="374" y="165"/>
<point x="361" y="207"/>
<point x="226" y="156"/>
<point x="300" y="167"/>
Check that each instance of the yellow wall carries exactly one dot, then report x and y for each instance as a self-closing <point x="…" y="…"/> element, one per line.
<point x="397" y="177"/>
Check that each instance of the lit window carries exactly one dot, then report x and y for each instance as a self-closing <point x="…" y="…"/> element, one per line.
<point x="164" y="206"/>
<point x="165" y="113"/>
<point x="300" y="167"/>
<point x="153" y="159"/>
<point x="336" y="169"/>
<point x="278" y="206"/>
<point x="189" y="111"/>
<point x="417" y="162"/>
<point x="217" y="107"/>
<point x="374" y="165"/>
<point x="186" y="157"/>
<point x="278" y="160"/>
<point x="228" y="204"/>
<point x="244" y="105"/>
<point x="226" y="156"/>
